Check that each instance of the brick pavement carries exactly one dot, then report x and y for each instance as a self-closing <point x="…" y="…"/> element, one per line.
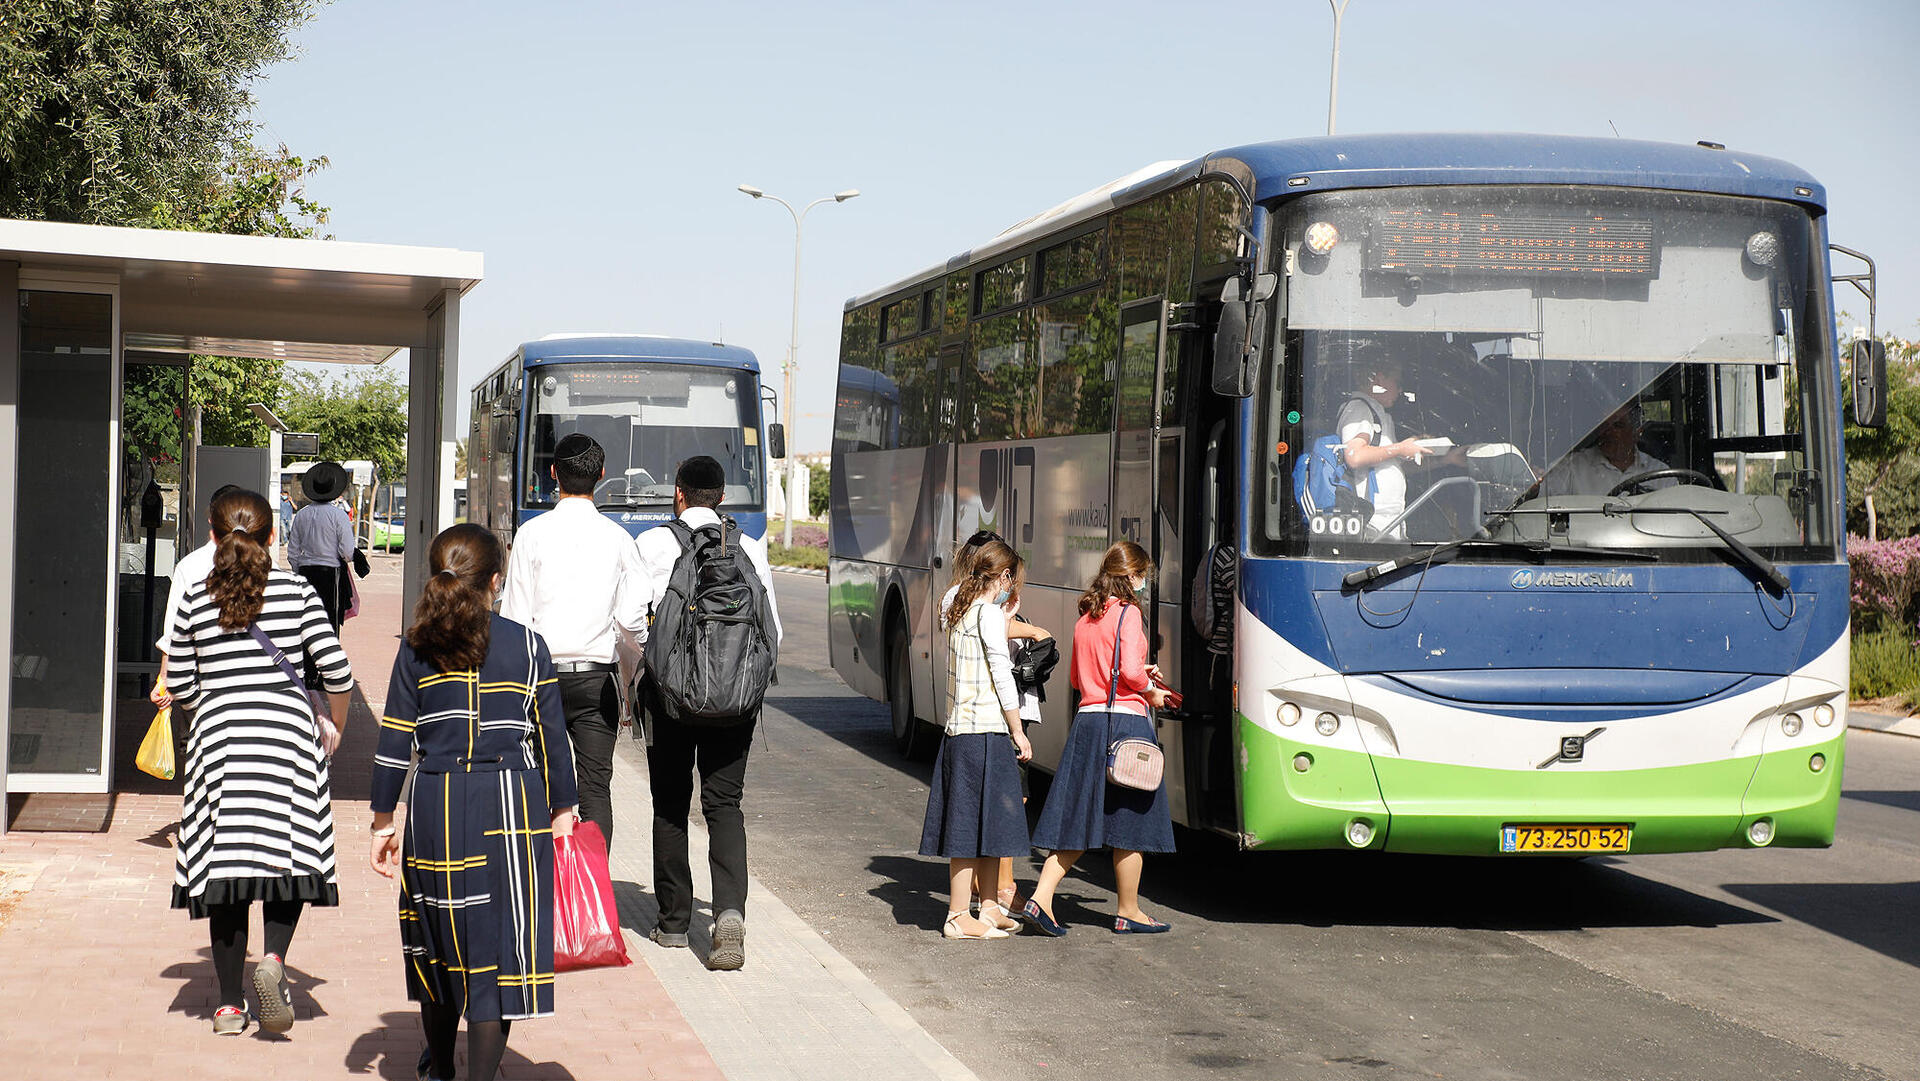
<point x="102" y="979"/>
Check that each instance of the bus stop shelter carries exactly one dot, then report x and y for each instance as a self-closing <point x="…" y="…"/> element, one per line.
<point x="91" y="308"/>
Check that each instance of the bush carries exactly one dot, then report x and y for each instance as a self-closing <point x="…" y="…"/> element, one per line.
<point x="804" y="535"/>
<point x="1885" y="665"/>
<point x="1886" y="584"/>
<point x="819" y="481"/>
<point x="797" y="556"/>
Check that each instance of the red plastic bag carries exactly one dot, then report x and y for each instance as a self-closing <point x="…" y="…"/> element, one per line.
<point x="586" y="928"/>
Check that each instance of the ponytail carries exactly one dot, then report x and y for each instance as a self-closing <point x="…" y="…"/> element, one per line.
<point x="1123" y="562"/>
<point x="242" y="524"/>
<point x="453" y="620"/>
<point x="989" y="562"/>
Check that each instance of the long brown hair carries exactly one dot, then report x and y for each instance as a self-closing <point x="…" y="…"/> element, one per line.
<point x="453" y="618"/>
<point x="1123" y="562"/>
<point x="963" y="559"/>
<point x="993" y="558"/>
<point x="242" y="525"/>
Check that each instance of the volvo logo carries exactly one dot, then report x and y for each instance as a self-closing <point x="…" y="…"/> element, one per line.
<point x="1572" y="749"/>
<point x="1532" y="579"/>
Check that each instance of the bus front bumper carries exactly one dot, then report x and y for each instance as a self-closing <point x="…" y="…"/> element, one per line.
<point x="1296" y="795"/>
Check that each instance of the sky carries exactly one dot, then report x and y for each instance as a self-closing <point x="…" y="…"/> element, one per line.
<point x="592" y="150"/>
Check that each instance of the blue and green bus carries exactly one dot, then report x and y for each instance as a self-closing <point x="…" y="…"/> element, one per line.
<point x="1490" y="644"/>
<point x="651" y="402"/>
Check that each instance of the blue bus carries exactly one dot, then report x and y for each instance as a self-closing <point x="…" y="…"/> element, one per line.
<point x="1521" y="630"/>
<point x="651" y="402"/>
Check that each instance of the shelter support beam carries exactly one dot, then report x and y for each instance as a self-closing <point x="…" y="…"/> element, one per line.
<point x="430" y="431"/>
<point x="9" y="499"/>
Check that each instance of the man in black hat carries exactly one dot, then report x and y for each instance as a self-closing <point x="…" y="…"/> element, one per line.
<point x="717" y="749"/>
<point x="320" y="540"/>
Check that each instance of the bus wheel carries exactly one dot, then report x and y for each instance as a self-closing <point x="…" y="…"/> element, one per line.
<point x="913" y="738"/>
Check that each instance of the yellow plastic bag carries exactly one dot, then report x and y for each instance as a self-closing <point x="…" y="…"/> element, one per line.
<point x="156" y="751"/>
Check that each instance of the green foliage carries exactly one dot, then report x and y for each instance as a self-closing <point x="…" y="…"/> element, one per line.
<point x="1885" y="665"/>
<point x="113" y="110"/>
<point x="1884" y="463"/>
<point x="361" y="416"/>
<point x="224" y="388"/>
<point x="799" y="555"/>
<point x="818" y="492"/>
<point x="256" y="194"/>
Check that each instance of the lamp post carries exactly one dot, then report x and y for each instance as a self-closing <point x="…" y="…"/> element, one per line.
<point x="1333" y="79"/>
<point x="793" y="341"/>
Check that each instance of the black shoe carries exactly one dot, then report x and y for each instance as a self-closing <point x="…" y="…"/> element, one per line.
<point x="729" y="942"/>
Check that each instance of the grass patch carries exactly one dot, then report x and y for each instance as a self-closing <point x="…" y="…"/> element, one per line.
<point x="797" y="556"/>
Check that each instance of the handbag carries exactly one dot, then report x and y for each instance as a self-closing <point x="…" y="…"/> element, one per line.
<point x="323" y="727"/>
<point x="1131" y="762"/>
<point x="586" y="926"/>
<point x="156" y="750"/>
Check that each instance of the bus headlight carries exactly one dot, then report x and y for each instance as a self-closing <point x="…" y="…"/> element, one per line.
<point x="1288" y="714"/>
<point x="1791" y="724"/>
<point x="1823" y="715"/>
<point x="1322" y="236"/>
<point x="1817" y="763"/>
<point x="1359" y="833"/>
<point x="1326" y="724"/>
<point x="1761" y="832"/>
<point x="1302" y="762"/>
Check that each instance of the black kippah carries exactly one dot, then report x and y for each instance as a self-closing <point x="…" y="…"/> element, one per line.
<point x="573" y="446"/>
<point x="700" y="473"/>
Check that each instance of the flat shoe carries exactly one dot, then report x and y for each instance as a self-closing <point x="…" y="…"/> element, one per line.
<point x="993" y="915"/>
<point x="229" y="1021"/>
<point x="729" y="942"/>
<point x="951" y="929"/>
<point x="1125" y="926"/>
<point x="668" y="939"/>
<point x="1039" y="920"/>
<point x="270" y="986"/>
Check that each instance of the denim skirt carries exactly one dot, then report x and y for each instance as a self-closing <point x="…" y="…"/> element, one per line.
<point x="974" y="808"/>
<point x="1084" y="810"/>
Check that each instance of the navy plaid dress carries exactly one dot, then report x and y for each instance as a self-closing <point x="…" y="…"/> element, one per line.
<point x="476" y="872"/>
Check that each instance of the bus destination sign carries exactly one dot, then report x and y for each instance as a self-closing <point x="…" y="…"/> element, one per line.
<point x="1413" y="241"/>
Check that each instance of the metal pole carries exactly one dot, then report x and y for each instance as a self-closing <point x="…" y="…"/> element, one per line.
<point x="1333" y="81"/>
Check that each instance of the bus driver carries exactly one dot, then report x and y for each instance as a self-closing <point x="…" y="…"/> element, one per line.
<point x="1614" y="456"/>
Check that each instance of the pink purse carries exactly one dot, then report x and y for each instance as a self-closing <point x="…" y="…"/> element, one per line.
<point x="1132" y="762"/>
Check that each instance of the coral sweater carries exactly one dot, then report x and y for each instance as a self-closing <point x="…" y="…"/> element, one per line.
<point x="1093" y="658"/>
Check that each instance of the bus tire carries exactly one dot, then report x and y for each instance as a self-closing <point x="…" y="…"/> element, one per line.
<point x="913" y="738"/>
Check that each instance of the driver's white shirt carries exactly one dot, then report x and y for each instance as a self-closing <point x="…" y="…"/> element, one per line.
<point x="1588" y="472"/>
<point x="573" y="578"/>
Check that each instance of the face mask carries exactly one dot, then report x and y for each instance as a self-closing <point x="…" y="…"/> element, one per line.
<point x="1139" y="585"/>
<point x="1001" y="598"/>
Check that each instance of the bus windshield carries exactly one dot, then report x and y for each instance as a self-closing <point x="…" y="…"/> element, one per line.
<point x="1566" y="368"/>
<point x="649" y="417"/>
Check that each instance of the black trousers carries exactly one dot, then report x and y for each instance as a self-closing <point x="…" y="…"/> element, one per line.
<point x="592" y="703"/>
<point x="330" y="583"/>
<point x="720" y="756"/>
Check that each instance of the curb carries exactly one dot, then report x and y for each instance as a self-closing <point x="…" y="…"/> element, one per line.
<point x="1883" y="722"/>
<point x="811" y="572"/>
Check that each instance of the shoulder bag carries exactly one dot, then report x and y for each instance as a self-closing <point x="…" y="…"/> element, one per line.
<point x="323" y="726"/>
<point x="1131" y="763"/>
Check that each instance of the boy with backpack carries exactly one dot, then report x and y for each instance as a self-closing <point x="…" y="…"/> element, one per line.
<point x="713" y="637"/>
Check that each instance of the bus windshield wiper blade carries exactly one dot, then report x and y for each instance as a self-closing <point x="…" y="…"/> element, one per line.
<point x="1751" y="558"/>
<point x="1364" y="575"/>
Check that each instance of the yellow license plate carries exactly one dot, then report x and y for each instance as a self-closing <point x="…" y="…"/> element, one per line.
<point x="1565" y="838"/>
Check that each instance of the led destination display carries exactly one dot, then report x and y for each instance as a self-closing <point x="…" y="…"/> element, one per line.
<point x="1412" y="241"/>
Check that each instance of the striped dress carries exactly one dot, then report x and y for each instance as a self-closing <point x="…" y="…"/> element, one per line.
<point x="476" y="871"/>
<point x="257" y="822"/>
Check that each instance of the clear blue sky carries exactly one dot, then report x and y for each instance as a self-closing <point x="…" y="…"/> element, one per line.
<point x="591" y="149"/>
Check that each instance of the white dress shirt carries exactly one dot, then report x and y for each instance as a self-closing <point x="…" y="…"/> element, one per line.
<point x="659" y="549"/>
<point x="188" y="571"/>
<point x="1588" y="472"/>
<point x="321" y="536"/>
<point x="573" y="577"/>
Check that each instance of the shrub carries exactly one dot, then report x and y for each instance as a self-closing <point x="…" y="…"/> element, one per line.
<point x="804" y="535"/>
<point x="1886" y="584"/>
<point x="797" y="556"/>
<point x="1885" y="665"/>
<point x="819" y="488"/>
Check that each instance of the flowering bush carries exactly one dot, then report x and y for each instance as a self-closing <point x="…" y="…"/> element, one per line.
<point x="1886" y="583"/>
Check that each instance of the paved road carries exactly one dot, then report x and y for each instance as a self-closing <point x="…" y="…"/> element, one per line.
<point x="1731" y="965"/>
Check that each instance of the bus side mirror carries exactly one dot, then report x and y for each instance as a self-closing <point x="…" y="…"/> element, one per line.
<point x="777" y="441"/>
<point x="1236" y="341"/>
<point x="1869" y="383"/>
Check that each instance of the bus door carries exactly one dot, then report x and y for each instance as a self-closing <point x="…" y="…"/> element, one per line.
<point x="943" y="458"/>
<point x="1146" y="496"/>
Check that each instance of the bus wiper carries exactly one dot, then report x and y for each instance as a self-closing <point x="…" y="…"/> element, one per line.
<point x="1540" y="549"/>
<point x="1751" y="558"/>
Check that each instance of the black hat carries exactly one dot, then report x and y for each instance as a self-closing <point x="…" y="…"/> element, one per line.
<point x="699" y="473"/>
<point x="324" y="482"/>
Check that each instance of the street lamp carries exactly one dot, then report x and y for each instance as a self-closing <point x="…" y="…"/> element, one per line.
<point x="1333" y="79"/>
<point x="793" y="342"/>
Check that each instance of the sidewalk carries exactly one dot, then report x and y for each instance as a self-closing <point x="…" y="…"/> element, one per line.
<point x="103" y="980"/>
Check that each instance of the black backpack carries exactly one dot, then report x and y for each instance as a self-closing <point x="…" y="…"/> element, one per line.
<point x="711" y="649"/>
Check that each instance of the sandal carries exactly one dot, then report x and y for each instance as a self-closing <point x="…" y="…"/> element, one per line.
<point x="995" y="915"/>
<point x="951" y="929"/>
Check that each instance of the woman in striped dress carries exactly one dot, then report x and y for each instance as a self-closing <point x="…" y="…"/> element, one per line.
<point x="475" y="695"/>
<point x="257" y="823"/>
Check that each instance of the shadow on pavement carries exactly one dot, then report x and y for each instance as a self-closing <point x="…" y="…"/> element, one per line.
<point x="1906" y="799"/>
<point x="1877" y="915"/>
<point x="199" y="992"/>
<point x="379" y="1054"/>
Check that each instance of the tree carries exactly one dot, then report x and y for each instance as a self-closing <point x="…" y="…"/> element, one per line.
<point x="1887" y="460"/>
<point x="362" y="416"/>
<point x="115" y="110"/>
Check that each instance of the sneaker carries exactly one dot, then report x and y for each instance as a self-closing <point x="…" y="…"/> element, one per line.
<point x="668" y="939"/>
<point x="229" y="1021"/>
<point x="276" y="1002"/>
<point x="729" y="942"/>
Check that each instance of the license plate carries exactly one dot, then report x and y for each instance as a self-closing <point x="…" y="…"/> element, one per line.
<point x="1565" y="838"/>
